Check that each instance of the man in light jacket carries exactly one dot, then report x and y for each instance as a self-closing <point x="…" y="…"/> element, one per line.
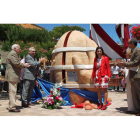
<point x="134" y="76"/>
<point x="12" y="75"/>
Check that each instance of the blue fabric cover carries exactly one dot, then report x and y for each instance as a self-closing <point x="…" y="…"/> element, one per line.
<point x="90" y="95"/>
<point x="36" y="95"/>
<point x="46" y="86"/>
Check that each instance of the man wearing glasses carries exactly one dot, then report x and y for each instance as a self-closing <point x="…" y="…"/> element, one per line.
<point x="134" y="76"/>
<point x="30" y="77"/>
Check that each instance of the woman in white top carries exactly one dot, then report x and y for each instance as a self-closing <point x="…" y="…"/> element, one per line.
<point x="128" y="85"/>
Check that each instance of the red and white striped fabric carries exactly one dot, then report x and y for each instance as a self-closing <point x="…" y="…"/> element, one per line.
<point x="111" y="48"/>
<point x="120" y="31"/>
<point x="123" y="33"/>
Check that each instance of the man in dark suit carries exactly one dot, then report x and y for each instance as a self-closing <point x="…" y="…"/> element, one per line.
<point x="30" y="77"/>
<point x="134" y="76"/>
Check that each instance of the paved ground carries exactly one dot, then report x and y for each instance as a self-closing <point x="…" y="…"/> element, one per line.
<point x="117" y="108"/>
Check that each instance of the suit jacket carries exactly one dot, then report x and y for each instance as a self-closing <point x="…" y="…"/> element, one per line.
<point x="104" y="68"/>
<point x="31" y="72"/>
<point x="134" y="61"/>
<point x="13" y="68"/>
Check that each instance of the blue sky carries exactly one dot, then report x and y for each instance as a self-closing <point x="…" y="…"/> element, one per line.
<point x="109" y="29"/>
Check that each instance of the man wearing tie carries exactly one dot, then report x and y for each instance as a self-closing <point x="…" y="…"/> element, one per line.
<point x="30" y="77"/>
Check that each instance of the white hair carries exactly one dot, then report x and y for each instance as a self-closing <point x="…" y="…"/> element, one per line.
<point x="14" y="46"/>
<point x="31" y="48"/>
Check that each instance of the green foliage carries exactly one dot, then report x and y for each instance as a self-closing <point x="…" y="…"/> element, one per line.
<point x="42" y="40"/>
<point x="15" y="33"/>
<point x="3" y="32"/>
<point x="57" y="32"/>
<point x="50" y="107"/>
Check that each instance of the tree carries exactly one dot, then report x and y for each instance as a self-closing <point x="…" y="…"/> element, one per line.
<point x="58" y="31"/>
<point x="43" y="40"/>
<point x="11" y="34"/>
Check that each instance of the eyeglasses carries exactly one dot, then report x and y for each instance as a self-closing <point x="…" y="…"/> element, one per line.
<point x="33" y="51"/>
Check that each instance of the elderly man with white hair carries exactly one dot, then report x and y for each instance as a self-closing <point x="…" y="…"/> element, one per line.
<point x="12" y="75"/>
<point x="30" y="77"/>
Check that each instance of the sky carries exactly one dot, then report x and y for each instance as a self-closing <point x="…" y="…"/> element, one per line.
<point x="109" y="29"/>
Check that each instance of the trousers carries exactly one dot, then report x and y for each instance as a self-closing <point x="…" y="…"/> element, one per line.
<point x="27" y="91"/>
<point x="135" y="90"/>
<point x="12" y="95"/>
<point x="1" y="84"/>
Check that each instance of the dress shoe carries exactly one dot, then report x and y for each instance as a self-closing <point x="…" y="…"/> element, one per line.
<point x="100" y="106"/>
<point x="138" y="114"/>
<point x="130" y="112"/>
<point x="135" y="112"/>
<point x="14" y="110"/>
<point x="30" y="104"/>
<point x="104" y="107"/>
<point x="25" y="106"/>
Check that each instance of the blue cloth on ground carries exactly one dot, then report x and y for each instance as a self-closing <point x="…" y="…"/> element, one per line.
<point x="36" y="95"/>
<point x="90" y="95"/>
<point x="46" y="86"/>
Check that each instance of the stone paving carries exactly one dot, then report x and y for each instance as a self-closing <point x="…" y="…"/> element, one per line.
<point x="117" y="108"/>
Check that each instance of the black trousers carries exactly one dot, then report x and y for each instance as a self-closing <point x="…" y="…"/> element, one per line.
<point x="1" y="84"/>
<point x="47" y="76"/>
<point x="117" y="87"/>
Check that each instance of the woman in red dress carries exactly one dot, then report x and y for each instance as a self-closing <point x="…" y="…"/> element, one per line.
<point x="101" y="75"/>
